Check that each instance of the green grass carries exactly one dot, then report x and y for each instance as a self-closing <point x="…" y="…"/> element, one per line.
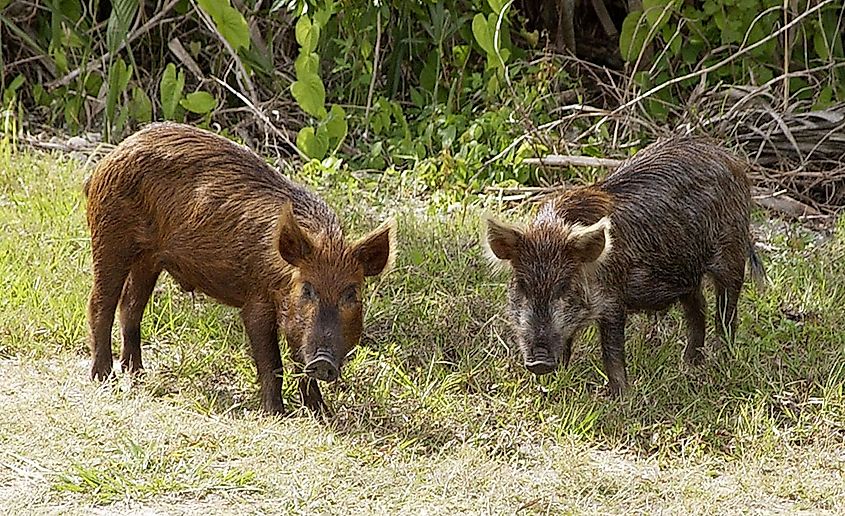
<point x="435" y="412"/>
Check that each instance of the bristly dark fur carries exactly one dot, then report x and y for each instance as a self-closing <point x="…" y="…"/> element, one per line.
<point x="220" y="220"/>
<point x="678" y="211"/>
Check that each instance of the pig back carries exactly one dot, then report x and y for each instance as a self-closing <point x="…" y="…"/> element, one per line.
<point x="203" y="207"/>
<point x="679" y="206"/>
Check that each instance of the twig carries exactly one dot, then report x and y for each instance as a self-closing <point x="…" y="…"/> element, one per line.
<point x="375" y="72"/>
<point x="93" y="65"/>
<point x="555" y="160"/>
<point x="786" y="205"/>
<point x="604" y="18"/>
<point x="262" y="116"/>
<point x="582" y="111"/>
<point x="242" y="75"/>
<point x="179" y="51"/>
<point x="787" y="52"/>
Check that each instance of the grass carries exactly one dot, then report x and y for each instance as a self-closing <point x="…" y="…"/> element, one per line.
<point x="435" y="413"/>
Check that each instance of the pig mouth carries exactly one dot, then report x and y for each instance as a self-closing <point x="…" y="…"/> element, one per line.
<point x="323" y="367"/>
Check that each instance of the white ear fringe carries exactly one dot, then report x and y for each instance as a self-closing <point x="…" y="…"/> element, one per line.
<point x="603" y="224"/>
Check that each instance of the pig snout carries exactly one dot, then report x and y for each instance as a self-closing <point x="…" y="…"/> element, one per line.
<point x="323" y="367"/>
<point x="540" y="360"/>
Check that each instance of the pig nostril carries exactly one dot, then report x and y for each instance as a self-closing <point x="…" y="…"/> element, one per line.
<point x="322" y="368"/>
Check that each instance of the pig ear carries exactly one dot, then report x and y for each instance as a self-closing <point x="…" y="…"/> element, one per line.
<point x="592" y="243"/>
<point x="377" y="251"/>
<point x="293" y="243"/>
<point x="502" y="240"/>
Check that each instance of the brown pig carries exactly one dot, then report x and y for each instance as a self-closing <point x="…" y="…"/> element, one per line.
<point x="641" y="240"/>
<point x="219" y="220"/>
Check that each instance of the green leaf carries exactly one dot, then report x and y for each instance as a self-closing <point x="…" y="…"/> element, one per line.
<point x="690" y="51"/>
<point x="654" y="12"/>
<point x="93" y="83"/>
<point x="9" y="92"/>
<point x="321" y="17"/>
<point x="336" y="125"/>
<point x="199" y="102"/>
<point x="674" y="42"/>
<point x="496" y="5"/>
<point x="120" y="122"/>
<point x="170" y="90"/>
<point x="311" y="144"/>
<point x="824" y="99"/>
<point x="307" y="63"/>
<point x="229" y="22"/>
<point x="307" y="34"/>
<point x="16" y="83"/>
<point x="71" y="112"/>
<point x="504" y="53"/>
<point x="633" y="35"/>
<point x="118" y="80"/>
<point x="482" y="33"/>
<point x="310" y="94"/>
<point x="122" y="14"/>
<point x="141" y="107"/>
<point x="60" y="58"/>
<point x="820" y="45"/>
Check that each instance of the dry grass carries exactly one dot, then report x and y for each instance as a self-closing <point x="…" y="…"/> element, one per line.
<point x="434" y="414"/>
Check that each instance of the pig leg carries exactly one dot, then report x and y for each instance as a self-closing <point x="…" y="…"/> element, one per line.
<point x="727" y="296"/>
<point x="259" y="319"/>
<point x="136" y="293"/>
<point x="695" y="307"/>
<point x="109" y="276"/>
<point x="612" y="331"/>
<point x="728" y="283"/>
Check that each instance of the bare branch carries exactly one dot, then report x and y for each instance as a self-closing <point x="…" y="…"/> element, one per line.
<point x="555" y="160"/>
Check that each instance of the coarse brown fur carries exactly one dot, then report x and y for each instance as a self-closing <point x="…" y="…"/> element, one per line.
<point x="641" y="240"/>
<point x="220" y="220"/>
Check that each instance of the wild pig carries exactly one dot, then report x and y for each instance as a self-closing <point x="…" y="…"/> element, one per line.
<point x="219" y="220"/>
<point x="641" y="240"/>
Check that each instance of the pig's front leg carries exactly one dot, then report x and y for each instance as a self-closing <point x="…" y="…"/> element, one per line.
<point x="259" y="319"/>
<point x="612" y="331"/>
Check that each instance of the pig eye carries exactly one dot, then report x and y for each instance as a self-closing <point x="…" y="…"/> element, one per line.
<point x="350" y="295"/>
<point x="308" y="292"/>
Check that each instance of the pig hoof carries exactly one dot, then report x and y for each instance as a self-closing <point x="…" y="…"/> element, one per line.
<point x="615" y="391"/>
<point x="132" y="369"/>
<point x="694" y="357"/>
<point x="317" y="407"/>
<point x="273" y="408"/>
<point x="100" y="372"/>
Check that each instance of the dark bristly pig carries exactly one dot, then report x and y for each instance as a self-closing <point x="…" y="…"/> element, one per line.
<point x="641" y="240"/>
<point x="221" y="221"/>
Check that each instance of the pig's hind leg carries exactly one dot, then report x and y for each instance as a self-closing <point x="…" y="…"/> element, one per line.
<point x="110" y="267"/>
<point x="136" y="293"/>
<point x="695" y="308"/>
<point x="728" y="279"/>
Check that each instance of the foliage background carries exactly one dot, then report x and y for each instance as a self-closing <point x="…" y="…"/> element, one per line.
<point x="457" y="91"/>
